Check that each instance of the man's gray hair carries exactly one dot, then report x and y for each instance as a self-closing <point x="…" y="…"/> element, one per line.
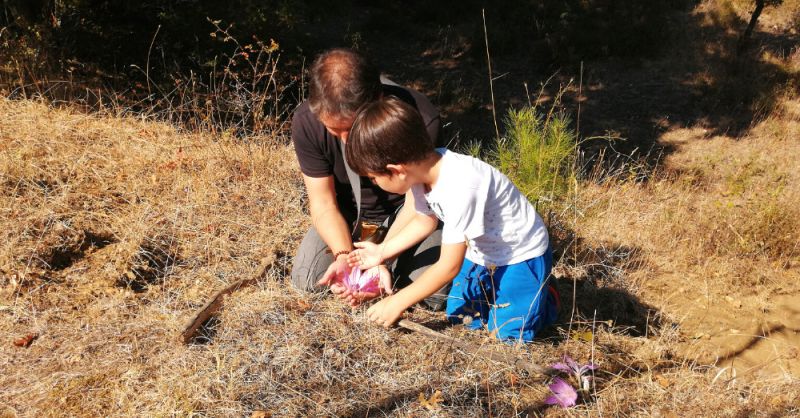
<point x="341" y="81"/>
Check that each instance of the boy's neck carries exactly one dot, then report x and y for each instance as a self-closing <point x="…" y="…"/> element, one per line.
<point x="426" y="172"/>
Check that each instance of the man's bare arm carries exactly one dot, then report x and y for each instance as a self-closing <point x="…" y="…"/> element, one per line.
<point x="325" y="214"/>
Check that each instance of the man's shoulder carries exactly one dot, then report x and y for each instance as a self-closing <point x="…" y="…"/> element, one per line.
<point x="314" y="149"/>
<point x="303" y="114"/>
<point x="414" y="98"/>
<point x="307" y="130"/>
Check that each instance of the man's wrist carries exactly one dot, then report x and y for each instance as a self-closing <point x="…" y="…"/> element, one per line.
<point x="338" y="254"/>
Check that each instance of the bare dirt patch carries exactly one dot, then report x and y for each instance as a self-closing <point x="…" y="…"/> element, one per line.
<point x="760" y="342"/>
<point x="721" y="264"/>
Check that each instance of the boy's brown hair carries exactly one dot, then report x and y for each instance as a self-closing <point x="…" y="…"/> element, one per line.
<point x="387" y="131"/>
<point x="341" y="81"/>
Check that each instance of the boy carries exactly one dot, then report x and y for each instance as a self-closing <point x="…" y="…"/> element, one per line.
<point x="495" y="247"/>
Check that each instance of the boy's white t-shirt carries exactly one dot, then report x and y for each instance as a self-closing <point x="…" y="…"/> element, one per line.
<point x="480" y="205"/>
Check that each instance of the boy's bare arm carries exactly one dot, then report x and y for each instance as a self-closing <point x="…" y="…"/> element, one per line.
<point x="388" y="311"/>
<point x="440" y="273"/>
<point x="419" y="228"/>
<point x="409" y="228"/>
<point x="370" y="255"/>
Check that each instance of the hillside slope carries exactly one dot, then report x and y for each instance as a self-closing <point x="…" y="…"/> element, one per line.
<point x="116" y="229"/>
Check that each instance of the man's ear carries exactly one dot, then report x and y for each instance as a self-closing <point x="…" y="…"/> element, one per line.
<point x="397" y="170"/>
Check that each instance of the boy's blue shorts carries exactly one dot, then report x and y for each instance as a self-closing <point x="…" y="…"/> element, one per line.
<point x="514" y="302"/>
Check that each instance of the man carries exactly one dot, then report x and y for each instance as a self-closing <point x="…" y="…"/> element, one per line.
<point x="342" y="81"/>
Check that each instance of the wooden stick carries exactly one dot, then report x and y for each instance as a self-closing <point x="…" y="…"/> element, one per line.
<point x="510" y="360"/>
<point x="215" y="303"/>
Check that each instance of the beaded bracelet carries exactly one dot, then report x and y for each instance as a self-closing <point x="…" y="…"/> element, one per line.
<point x="336" y="255"/>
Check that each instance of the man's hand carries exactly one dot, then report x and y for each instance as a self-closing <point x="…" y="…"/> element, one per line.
<point x="387" y="311"/>
<point x="339" y="267"/>
<point x="355" y="299"/>
<point x="385" y="279"/>
<point x="366" y="255"/>
<point x="331" y="279"/>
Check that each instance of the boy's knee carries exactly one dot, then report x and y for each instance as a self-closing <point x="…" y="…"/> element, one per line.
<point x="467" y="321"/>
<point x="466" y="317"/>
<point x="516" y="332"/>
<point x="527" y="326"/>
<point x="469" y="313"/>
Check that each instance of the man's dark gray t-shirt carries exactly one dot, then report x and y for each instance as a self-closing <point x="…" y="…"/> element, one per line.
<point x="320" y="155"/>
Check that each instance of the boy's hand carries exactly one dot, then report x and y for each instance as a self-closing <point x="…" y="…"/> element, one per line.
<point x="386" y="312"/>
<point x="366" y="255"/>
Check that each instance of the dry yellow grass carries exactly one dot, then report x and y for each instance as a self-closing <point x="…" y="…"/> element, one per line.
<point x="116" y="229"/>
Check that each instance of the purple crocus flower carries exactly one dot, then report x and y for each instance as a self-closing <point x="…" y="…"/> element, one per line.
<point x="358" y="280"/>
<point x="580" y="371"/>
<point x="563" y="395"/>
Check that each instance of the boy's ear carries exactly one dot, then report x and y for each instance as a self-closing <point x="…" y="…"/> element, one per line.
<point x="396" y="169"/>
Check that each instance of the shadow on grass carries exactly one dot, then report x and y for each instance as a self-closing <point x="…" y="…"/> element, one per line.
<point x="688" y="75"/>
<point x="592" y="283"/>
<point x="152" y="263"/>
<point x="662" y="66"/>
<point x="207" y="331"/>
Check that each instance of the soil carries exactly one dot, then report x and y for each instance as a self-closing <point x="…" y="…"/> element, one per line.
<point x="749" y="335"/>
